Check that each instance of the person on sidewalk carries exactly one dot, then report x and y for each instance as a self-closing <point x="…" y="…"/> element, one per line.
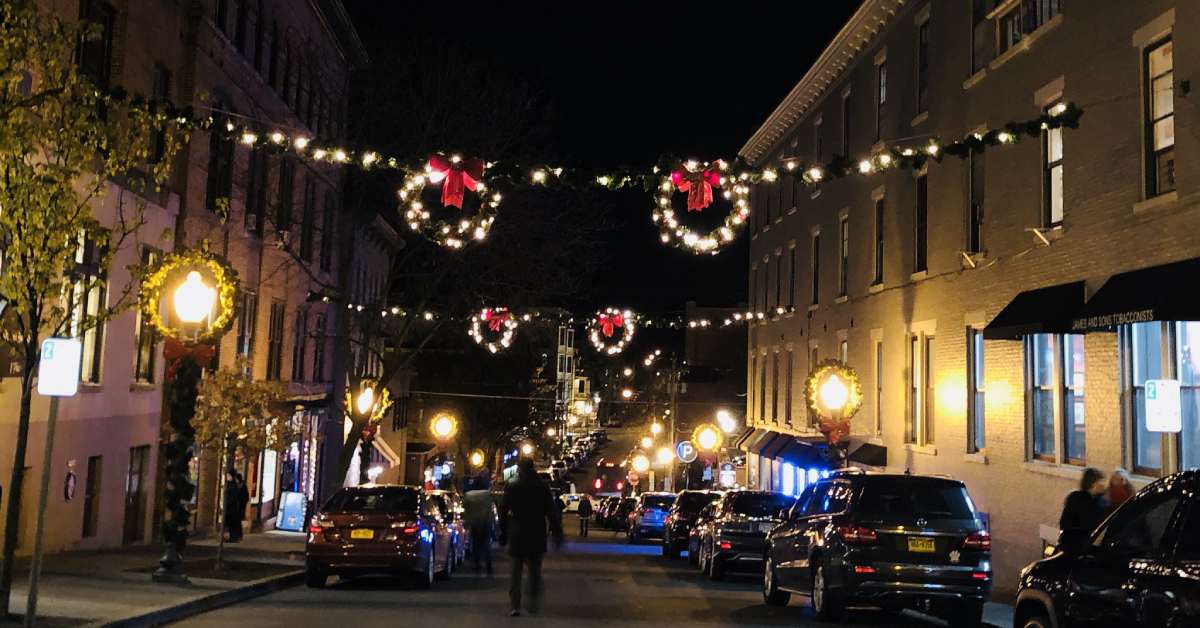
<point x="585" y="514"/>
<point x="236" y="498"/>
<point x="478" y="505"/>
<point x="1120" y="488"/>
<point x="1084" y="508"/>
<point x="527" y="509"/>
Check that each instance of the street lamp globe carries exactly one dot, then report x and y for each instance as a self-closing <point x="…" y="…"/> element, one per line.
<point x="656" y="428"/>
<point x="476" y="458"/>
<point x="647" y="442"/>
<point x="707" y="437"/>
<point x="627" y="393"/>
<point x="443" y="426"/>
<point x="640" y="463"/>
<point x="365" y="399"/>
<point x="551" y="432"/>
<point x="628" y="372"/>
<point x="726" y="422"/>
<point x="193" y="299"/>
<point x="664" y="455"/>
<point x="526" y="449"/>
<point x="834" y="393"/>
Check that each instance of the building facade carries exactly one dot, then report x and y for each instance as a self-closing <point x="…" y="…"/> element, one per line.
<point x="1003" y="311"/>
<point x="269" y="63"/>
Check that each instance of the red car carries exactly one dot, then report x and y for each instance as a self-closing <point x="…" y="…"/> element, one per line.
<point x="379" y="529"/>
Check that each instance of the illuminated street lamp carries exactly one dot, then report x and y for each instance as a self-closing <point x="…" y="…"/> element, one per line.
<point x="707" y="437"/>
<point x="664" y="456"/>
<point x="656" y="428"/>
<point x="647" y="442"/>
<point x="551" y="432"/>
<point x="628" y="372"/>
<point x="443" y="427"/>
<point x="726" y="422"/>
<point x="527" y="449"/>
<point x="477" y="458"/>
<point x="627" y="393"/>
<point x="834" y="394"/>
<point x="640" y="463"/>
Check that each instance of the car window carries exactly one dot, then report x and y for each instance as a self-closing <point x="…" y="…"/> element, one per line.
<point x="907" y="497"/>
<point x="800" y="508"/>
<point x="1188" y="548"/>
<point x="658" y="502"/>
<point x="690" y="503"/>
<point x="759" y="504"/>
<point x="817" y="498"/>
<point x="1139" y="529"/>
<point x="373" y="500"/>
<point x="707" y="512"/>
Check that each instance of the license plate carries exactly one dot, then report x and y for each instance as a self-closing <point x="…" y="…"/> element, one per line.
<point x="920" y="544"/>
<point x="363" y="533"/>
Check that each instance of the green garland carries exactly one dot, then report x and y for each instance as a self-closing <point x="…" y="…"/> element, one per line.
<point x="178" y="452"/>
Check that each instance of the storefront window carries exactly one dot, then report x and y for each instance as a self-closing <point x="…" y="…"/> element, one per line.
<point x="1054" y="390"/>
<point x="1073" y="426"/>
<point x="1041" y="379"/>
<point x="1143" y="351"/>
<point x="1187" y="357"/>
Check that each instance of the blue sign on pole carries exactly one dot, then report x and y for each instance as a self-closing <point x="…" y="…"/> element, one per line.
<point x="686" y="451"/>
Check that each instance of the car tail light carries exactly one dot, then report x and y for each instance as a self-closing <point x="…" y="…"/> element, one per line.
<point x="620" y="486"/>
<point x="319" y="525"/>
<point x="856" y="535"/>
<point x="864" y="569"/>
<point x="725" y="545"/>
<point x="979" y="575"/>
<point x="406" y="527"/>
<point x="978" y="541"/>
<point x="598" y="483"/>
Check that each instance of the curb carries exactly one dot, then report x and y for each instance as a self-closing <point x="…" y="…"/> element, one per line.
<point x="163" y="616"/>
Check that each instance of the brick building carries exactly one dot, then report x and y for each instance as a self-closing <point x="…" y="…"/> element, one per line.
<point x="984" y="301"/>
<point x="271" y="63"/>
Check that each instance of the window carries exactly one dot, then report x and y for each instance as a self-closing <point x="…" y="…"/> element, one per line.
<point x="94" y="55"/>
<point x="161" y="95"/>
<point x="983" y="35"/>
<point x="1052" y="177"/>
<point x="778" y="279"/>
<point x="843" y="254"/>
<point x="1160" y="118"/>
<point x="754" y="288"/>
<point x="775" y="386"/>
<point x="844" y="351"/>
<point x="762" y="394"/>
<point x="921" y="226"/>
<point x="91" y="496"/>
<point x="1054" y="396"/>
<point x="1140" y="530"/>
<point x="817" y="143"/>
<point x="878" y="280"/>
<point x="792" y="277"/>
<point x="790" y="374"/>
<point x="275" y="341"/>
<point x="1022" y="19"/>
<point x="787" y="200"/>
<point x="247" y="318"/>
<point x="221" y="14"/>
<point x="299" y="344"/>
<point x="923" y="67"/>
<point x="276" y="51"/>
<point x="144" y="333"/>
<point x="753" y="378"/>
<point x="878" y="386"/>
<point x="308" y="218"/>
<point x="930" y="397"/>
<point x="1189" y="536"/>
<point x="319" y="349"/>
<point x="219" y="181"/>
<point x="919" y="422"/>
<point x="285" y="80"/>
<point x="816" y="268"/>
<point x="260" y="34"/>
<point x="975" y="192"/>
<point x="88" y="298"/>
<point x="975" y="391"/>
<point x="287" y="181"/>
<point x="846" y="124"/>
<point x="1160" y="351"/>
<point x="256" y="191"/>
<point x="239" y="29"/>
<point x="880" y="98"/>
<point x="327" y="232"/>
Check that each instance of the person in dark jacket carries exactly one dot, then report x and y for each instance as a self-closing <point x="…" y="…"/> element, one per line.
<point x="236" y="498"/>
<point x="1085" y="508"/>
<point x="585" y="514"/>
<point x="527" y="509"/>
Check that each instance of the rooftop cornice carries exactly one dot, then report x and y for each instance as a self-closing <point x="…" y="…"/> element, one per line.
<point x="858" y="32"/>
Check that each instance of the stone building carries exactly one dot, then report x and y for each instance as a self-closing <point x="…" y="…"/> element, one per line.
<point x="1003" y="311"/>
<point x="273" y="64"/>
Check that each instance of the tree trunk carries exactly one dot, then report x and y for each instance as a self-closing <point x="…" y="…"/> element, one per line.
<point x="12" y="514"/>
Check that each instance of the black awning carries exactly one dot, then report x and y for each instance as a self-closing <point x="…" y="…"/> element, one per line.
<point x="869" y="454"/>
<point x="804" y="454"/>
<point x="1047" y="310"/>
<point x="1158" y="293"/>
<point x="758" y="440"/>
<point x="776" y="445"/>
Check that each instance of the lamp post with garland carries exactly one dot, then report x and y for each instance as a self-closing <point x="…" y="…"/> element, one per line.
<point x="372" y="402"/>
<point x="834" y="394"/>
<point x="197" y="291"/>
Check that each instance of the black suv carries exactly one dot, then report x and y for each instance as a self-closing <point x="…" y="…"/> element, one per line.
<point x="888" y="540"/>
<point x="684" y="511"/>
<point x="1141" y="567"/>
<point x="733" y="539"/>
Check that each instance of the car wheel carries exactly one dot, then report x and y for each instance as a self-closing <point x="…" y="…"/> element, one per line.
<point x="1036" y="621"/>
<point x="969" y="615"/>
<point x="715" y="570"/>
<point x="825" y="604"/>
<point x="427" y="576"/>
<point x="315" y="576"/>
<point x="771" y="593"/>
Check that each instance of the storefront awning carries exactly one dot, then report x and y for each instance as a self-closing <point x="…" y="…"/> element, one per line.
<point x="804" y="454"/>
<point x="756" y="441"/>
<point x="1047" y="310"/>
<point x="1158" y="293"/>
<point x="869" y="454"/>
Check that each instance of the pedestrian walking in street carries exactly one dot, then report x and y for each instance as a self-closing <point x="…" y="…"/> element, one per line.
<point x="479" y="515"/>
<point x="236" y="498"/>
<point x="585" y="514"/>
<point x="1120" y="488"/>
<point x="1084" y="508"/>
<point x="528" y="508"/>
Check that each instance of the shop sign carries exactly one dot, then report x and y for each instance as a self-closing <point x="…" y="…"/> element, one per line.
<point x="1163" y="407"/>
<point x="728" y="474"/>
<point x="686" y="451"/>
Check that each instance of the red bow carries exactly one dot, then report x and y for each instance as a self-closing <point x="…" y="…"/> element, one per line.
<point x="609" y="323"/>
<point x="835" y="431"/>
<point x="175" y="352"/>
<point x="368" y="432"/>
<point x="496" y="319"/>
<point x="459" y="176"/>
<point x="698" y="186"/>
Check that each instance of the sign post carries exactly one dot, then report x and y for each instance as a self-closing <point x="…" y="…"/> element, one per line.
<point x="58" y="376"/>
<point x="1163" y="407"/>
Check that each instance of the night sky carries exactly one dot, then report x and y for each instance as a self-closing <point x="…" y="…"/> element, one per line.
<point x="628" y="82"/>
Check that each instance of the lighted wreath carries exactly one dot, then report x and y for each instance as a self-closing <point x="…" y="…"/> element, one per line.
<point x="171" y="271"/>
<point x="500" y="326"/>
<point x="380" y="406"/>
<point x="603" y="330"/>
<point x="700" y="181"/>
<point x="457" y="176"/>
<point x="834" y="395"/>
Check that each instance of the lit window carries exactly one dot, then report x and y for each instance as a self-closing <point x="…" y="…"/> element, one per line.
<point x="1160" y="122"/>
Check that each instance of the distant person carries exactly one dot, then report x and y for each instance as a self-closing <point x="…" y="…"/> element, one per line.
<point x="236" y="498"/>
<point x="527" y="509"/>
<point x="1120" y="488"/>
<point x="1084" y="508"/>
<point x="477" y="502"/>
<point x="585" y="514"/>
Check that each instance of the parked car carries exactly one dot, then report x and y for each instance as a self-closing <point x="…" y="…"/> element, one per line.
<point x="603" y="515"/>
<point x="1140" y="567"/>
<point x="882" y="539"/>
<point x="378" y="529"/>
<point x="681" y="517"/>
<point x="648" y="515"/>
<point x="620" y="514"/>
<point x="735" y="538"/>
<point x="558" y="469"/>
<point x="450" y="503"/>
<point x="698" y="531"/>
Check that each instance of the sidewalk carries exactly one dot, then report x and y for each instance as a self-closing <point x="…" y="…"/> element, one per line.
<point x="106" y="586"/>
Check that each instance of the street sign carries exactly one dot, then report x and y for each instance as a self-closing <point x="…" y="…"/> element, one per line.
<point x="1163" y="407"/>
<point x="58" y="371"/>
<point x="686" y="451"/>
<point x="728" y="475"/>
